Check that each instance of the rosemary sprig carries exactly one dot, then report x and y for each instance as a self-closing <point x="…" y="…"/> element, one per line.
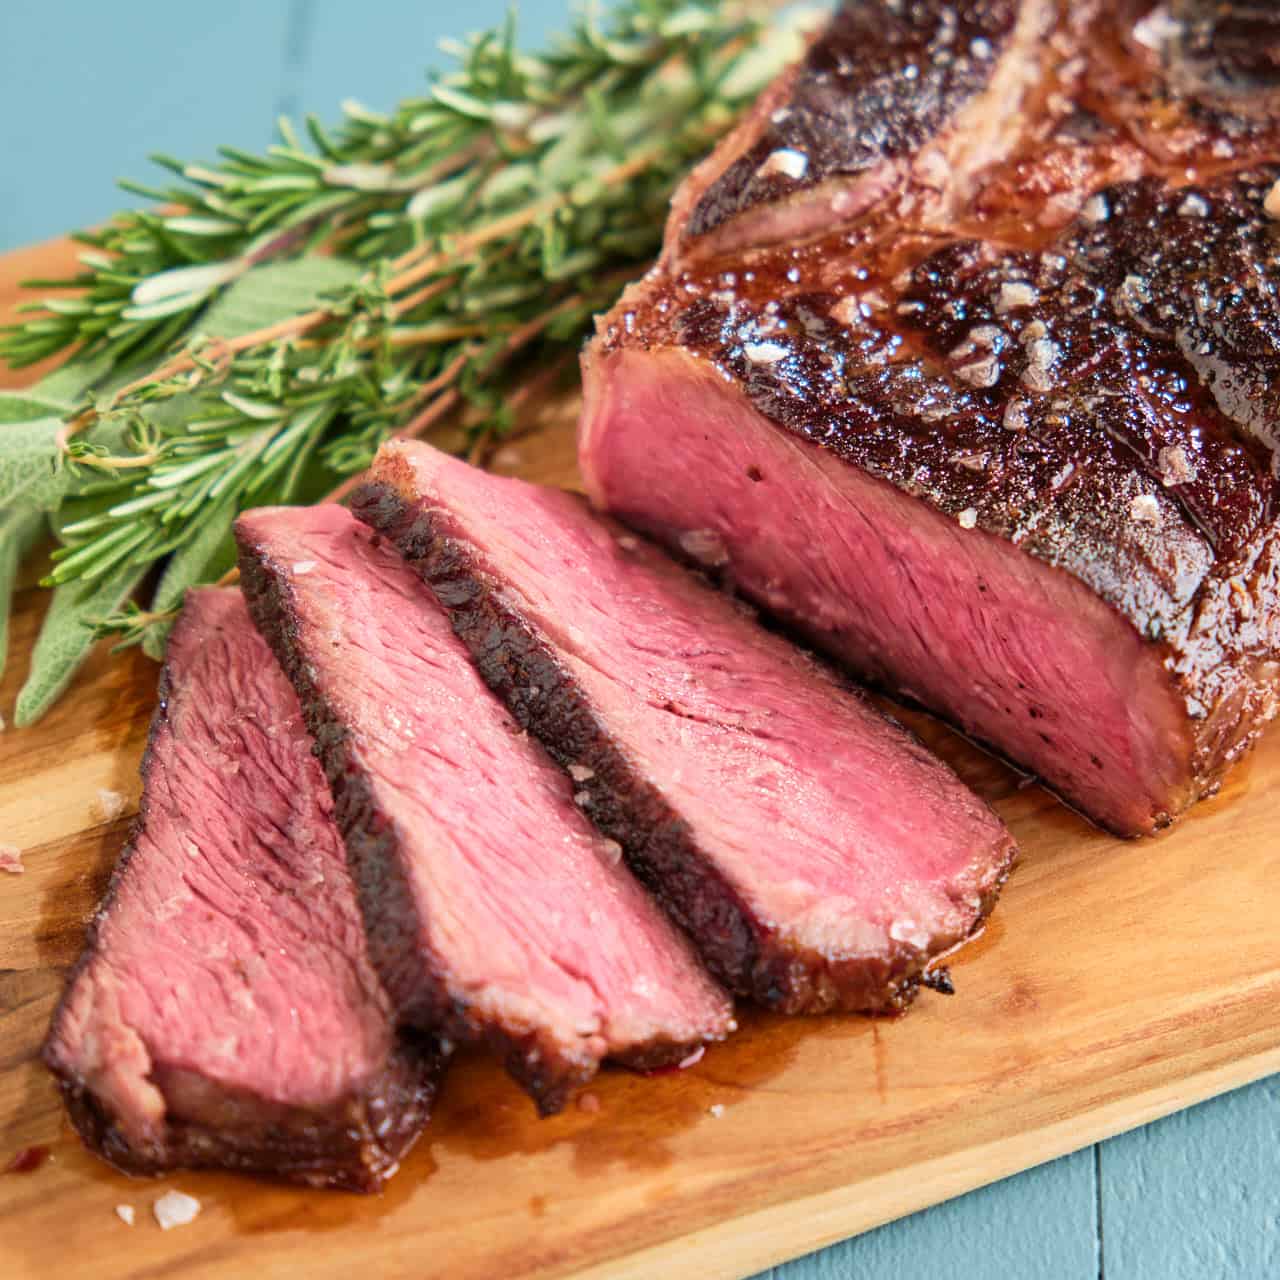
<point x="260" y="331"/>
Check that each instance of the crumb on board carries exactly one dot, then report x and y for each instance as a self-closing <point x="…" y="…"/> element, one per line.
<point x="125" y="1212"/>
<point x="508" y="458"/>
<point x="11" y="859"/>
<point x="175" y="1209"/>
<point x="108" y="805"/>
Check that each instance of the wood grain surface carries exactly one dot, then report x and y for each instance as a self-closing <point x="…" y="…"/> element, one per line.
<point x="1117" y="982"/>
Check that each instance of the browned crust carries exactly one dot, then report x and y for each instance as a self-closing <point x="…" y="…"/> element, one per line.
<point x="746" y="955"/>
<point x="354" y="1145"/>
<point x="875" y="84"/>
<point x="544" y="1067"/>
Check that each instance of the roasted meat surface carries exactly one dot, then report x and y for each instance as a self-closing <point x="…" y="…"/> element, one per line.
<point x="494" y="910"/>
<point x="959" y="360"/>
<point x="818" y="855"/>
<point x="225" y="1013"/>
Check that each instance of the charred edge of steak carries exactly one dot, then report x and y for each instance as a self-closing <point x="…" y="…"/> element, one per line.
<point x="354" y="1145"/>
<point x="386" y="900"/>
<point x="741" y="951"/>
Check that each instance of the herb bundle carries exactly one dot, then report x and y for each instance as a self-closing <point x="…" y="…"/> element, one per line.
<point x="254" y="336"/>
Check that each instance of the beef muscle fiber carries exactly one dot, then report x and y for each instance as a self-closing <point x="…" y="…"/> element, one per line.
<point x="817" y="854"/>
<point x="960" y="359"/>
<point x="493" y="909"/>
<point x="225" y="1013"/>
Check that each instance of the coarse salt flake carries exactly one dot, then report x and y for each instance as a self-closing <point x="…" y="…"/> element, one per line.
<point x="692" y="1059"/>
<point x="1176" y="466"/>
<point x="580" y="773"/>
<point x="1144" y="509"/>
<point x="984" y="372"/>
<point x="108" y="805"/>
<point x="303" y="566"/>
<point x="1015" y="416"/>
<point x="125" y="1212"/>
<point x="1157" y="28"/>
<point x="11" y="859"/>
<point x="1194" y="206"/>
<point x="508" y="458"/>
<point x="1271" y="204"/>
<point x="787" y="162"/>
<point x="716" y="1109"/>
<point x="705" y="546"/>
<point x="1015" y="294"/>
<point x="175" y="1209"/>
<point x="582" y="799"/>
<point x="968" y="518"/>
<point x="764" y="352"/>
<point x="612" y="850"/>
<point x="1042" y="355"/>
<point x="1095" y="210"/>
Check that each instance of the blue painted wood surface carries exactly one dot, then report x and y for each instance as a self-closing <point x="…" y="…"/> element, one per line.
<point x="88" y="89"/>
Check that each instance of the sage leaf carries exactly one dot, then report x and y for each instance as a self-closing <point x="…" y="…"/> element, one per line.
<point x="20" y="528"/>
<point x="276" y="291"/>
<point x="68" y="635"/>
<point x="21" y="407"/>
<point x="31" y="471"/>
<point x="68" y="384"/>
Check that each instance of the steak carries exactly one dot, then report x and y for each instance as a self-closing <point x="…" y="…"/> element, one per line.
<point x="817" y="854"/>
<point x="959" y="357"/>
<point x="492" y="907"/>
<point x="225" y="1013"/>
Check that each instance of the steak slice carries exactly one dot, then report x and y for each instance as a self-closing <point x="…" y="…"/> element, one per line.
<point x="1001" y="439"/>
<point x="817" y="854"/>
<point x="224" y="1013"/>
<point x="493" y="909"/>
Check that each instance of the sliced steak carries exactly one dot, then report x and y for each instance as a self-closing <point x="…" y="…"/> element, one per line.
<point x="225" y="1013"/>
<point x="493" y="908"/>
<point x="818" y="855"/>
<point x="1001" y="439"/>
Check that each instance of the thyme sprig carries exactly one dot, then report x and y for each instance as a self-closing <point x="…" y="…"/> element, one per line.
<point x="256" y="334"/>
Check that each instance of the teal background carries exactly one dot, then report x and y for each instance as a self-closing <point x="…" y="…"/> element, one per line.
<point x="88" y="89"/>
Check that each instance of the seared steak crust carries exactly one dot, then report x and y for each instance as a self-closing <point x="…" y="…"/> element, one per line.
<point x="1070" y="349"/>
<point x="353" y="1146"/>
<point x="514" y="661"/>
<point x="754" y="957"/>
<point x="539" y="1065"/>
<point x="127" y="1080"/>
<point x="882" y="81"/>
<point x="609" y="936"/>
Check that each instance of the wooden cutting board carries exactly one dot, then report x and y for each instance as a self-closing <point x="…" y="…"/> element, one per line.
<point x="1117" y="982"/>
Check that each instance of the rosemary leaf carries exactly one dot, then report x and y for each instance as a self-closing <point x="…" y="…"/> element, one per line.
<point x="258" y="333"/>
